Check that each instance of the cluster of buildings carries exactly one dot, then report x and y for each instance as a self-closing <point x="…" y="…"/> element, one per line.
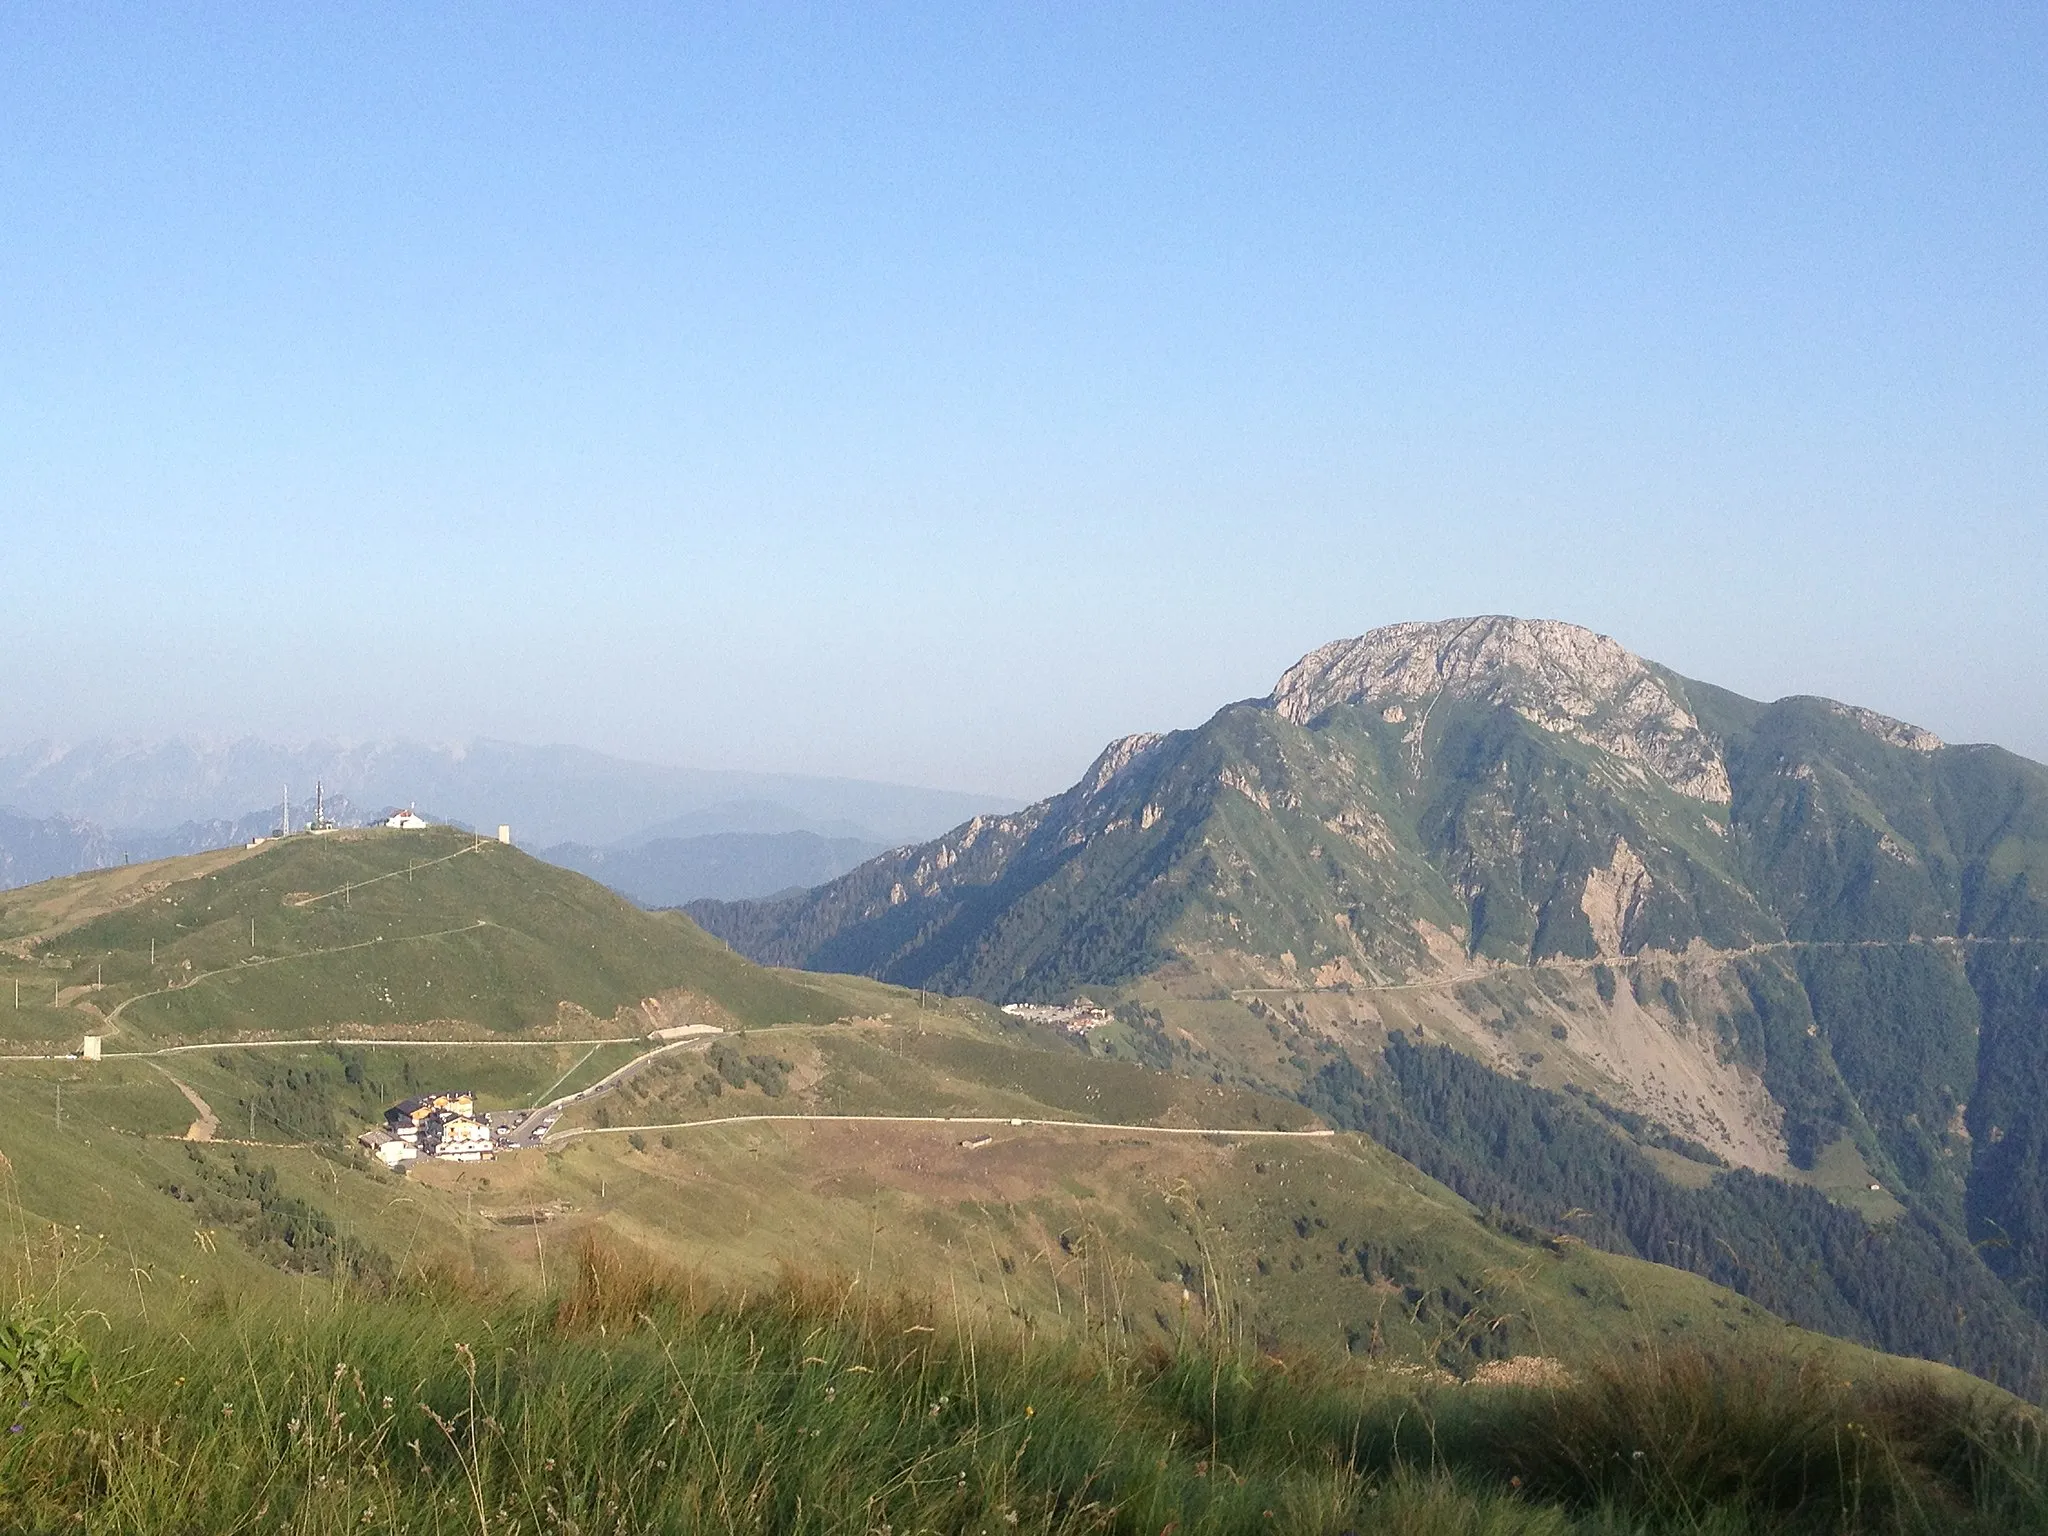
<point x="407" y="820"/>
<point x="442" y="1125"/>
<point x="1076" y="1018"/>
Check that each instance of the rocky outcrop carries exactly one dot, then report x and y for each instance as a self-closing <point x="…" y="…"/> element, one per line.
<point x="1613" y="898"/>
<point x="1114" y="759"/>
<point x="1893" y="733"/>
<point x="1558" y="676"/>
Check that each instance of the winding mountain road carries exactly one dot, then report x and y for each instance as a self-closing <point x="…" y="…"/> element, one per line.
<point x="1578" y="963"/>
<point x="533" y="1124"/>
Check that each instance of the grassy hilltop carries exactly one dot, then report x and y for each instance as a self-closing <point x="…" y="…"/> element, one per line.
<point x="361" y="932"/>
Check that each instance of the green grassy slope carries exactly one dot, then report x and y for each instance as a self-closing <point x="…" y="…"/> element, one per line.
<point x="1331" y="1247"/>
<point x="362" y="932"/>
<point x="639" y="1401"/>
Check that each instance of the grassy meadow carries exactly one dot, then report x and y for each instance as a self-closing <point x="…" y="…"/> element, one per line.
<point x="635" y="1398"/>
<point x="680" y="1314"/>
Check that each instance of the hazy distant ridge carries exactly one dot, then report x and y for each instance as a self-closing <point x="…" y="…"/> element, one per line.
<point x="547" y="794"/>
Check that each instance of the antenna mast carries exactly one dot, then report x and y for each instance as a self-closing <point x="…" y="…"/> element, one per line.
<point x="286" y="829"/>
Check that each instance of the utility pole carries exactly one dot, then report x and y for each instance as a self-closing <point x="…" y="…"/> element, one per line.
<point x="60" y="1106"/>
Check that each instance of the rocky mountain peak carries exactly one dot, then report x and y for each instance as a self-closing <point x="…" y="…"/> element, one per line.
<point x="1558" y="676"/>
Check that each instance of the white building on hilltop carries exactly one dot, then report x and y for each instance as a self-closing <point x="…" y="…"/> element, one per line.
<point x="408" y="820"/>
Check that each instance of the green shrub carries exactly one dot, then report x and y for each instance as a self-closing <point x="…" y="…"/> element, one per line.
<point x="42" y="1358"/>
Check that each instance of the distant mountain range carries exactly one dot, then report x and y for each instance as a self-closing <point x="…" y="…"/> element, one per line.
<point x="661" y="835"/>
<point x="546" y="794"/>
<point x="726" y="866"/>
<point x="36" y="848"/>
<point x="1801" y="940"/>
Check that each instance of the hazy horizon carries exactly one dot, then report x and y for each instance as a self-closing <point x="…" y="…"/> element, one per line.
<point x="930" y="397"/>
<point x="458" y="746"/>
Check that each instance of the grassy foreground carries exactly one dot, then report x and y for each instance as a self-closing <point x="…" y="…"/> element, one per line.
<point x="636" y="1400"/>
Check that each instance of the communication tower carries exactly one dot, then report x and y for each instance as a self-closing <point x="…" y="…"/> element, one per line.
<point x="319" y="823"/>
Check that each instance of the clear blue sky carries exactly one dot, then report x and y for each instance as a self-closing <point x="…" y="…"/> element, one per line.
<point x="932" y="393"/>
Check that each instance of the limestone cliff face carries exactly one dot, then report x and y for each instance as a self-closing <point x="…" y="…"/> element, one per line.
<point x="1563" y="678"/>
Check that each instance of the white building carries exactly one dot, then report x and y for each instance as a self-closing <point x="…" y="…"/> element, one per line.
<point x="407" y="820"/>
<point x="457" y="1138"/>
<point x="387" y="1148"/>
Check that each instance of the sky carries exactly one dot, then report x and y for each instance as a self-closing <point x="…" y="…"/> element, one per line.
<point x="933" y="393"/>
